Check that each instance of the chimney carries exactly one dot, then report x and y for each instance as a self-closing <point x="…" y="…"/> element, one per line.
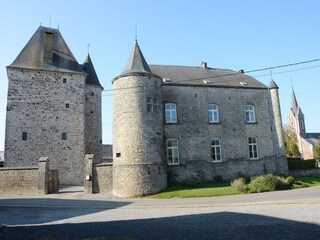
<point x="203" y="65"/>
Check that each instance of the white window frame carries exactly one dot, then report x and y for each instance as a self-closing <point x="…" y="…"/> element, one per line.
<point x="174" y="150"/>
<point x="216" y="149"/>
<point x="213" y="113"/>
<point x="152" y="105"/>
<point x="250" y="115"/>
<point x="171" y="113"/>
<point x="253" y="148"/>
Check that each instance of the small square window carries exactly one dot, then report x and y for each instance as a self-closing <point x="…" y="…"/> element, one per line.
<point x="92" y="93"/>
<point x="67" y="105"/>
<point x="148" y="99"/>
<point x="24" y="136"/>
<point x="64" y="136"/>
<point x="64" y="80"/>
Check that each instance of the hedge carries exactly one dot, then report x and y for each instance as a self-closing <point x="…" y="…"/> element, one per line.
<point x="294" y="164"/>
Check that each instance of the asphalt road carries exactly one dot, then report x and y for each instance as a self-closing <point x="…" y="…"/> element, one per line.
<point x="293" y="214"/>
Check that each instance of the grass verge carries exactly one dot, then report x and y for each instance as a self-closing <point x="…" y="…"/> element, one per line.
<point x="307" y="181"/>
<point x="223" y="189"/>
<point x="201" y="190"/>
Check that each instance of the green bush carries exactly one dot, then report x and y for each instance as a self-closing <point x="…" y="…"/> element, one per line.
<point x="267" y="183"/>
<point x="239" y="185"/>
<point x="290" y="180"/>
<point x="294" y="164"/>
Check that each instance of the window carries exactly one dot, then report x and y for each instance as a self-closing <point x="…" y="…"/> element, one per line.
<point x="253" y="148"/>
<point x="64" y="80"/>
<point x="172" y="151"/>
<point x="171" y="113"/>
<point x="213" y="113"/>
<point x="152" y="105"/>
<point x="250" y="114"/>
<point x="92" y="93"/>
<point x="216" y="150"/>
<point x="24" y="136"/>
<point x="64" y="136"/>
<point x="67" y="105"/>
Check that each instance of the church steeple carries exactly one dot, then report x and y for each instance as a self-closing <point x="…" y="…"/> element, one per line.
<point x="136" y="62"/>
<point x="294" y="103"/>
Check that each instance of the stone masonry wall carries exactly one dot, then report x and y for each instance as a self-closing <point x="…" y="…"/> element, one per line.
<point x="102" y="178"/>
<point x="137" y="137"/>
<point x="194" y="132"/>
<point x="44" y="105"/>
<point x="19" y="180"/>
<point x="93" y="128"/>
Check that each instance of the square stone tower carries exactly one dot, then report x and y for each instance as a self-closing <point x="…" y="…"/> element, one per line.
<point x="46" y="108"/>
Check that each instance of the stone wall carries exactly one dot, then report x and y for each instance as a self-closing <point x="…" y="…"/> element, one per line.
<point x="307" y="149"/>
<point x="44" y="105"/>
<point x="93" y="128"/>
<point x="107" y="153"/>
<point x="29" y="180"/>
<point x="102" y="178"/>
<point x="19" y="180"/>
<point x="194" y="132"/>
<point x="305" y="172"/>
<point x="98" y="177"/>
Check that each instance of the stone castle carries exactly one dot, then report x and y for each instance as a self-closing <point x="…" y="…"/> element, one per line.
<point x="170" y="123"/>
<point x="306" y="141"/>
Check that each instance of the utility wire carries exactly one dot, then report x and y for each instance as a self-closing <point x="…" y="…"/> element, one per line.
<point x="240" y="74"/>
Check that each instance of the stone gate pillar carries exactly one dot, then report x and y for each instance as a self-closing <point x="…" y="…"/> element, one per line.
<point x="43" y="178"/>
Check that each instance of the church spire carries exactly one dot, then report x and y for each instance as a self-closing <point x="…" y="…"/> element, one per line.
<point x="294" y="103"/>
<point x="136" y="61"/>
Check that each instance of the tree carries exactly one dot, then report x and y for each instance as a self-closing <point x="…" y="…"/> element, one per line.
<point x="316" y="151"/>
<point x="292" y="149"/>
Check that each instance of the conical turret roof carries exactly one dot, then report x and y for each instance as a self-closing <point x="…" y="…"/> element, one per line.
<point x="88" y="68"/>
<point x="136" y="62"/>
<point x="47" y="50"/>
<point x="273" y="85"/>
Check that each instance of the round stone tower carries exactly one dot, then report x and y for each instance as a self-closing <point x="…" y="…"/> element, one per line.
<point x="282" y="165"/>
<point x="93" y="120"/>
<point x="138" y="154"/>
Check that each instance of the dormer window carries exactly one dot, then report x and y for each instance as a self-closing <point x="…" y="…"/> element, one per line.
<point x="48" y="47"/>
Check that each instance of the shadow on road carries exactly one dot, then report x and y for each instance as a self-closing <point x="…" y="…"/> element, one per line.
<point x="223" y="225"/>
<point x="44" y="210"/>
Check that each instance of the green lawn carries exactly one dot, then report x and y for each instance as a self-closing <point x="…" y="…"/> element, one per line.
<point x="222" y="189"/>
<point x="201" y="190"/>
<point x="307" y="181"/>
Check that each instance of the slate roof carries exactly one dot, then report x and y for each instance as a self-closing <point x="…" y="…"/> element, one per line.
<point x="313" y="138"/>
<point x="31" y="56"/>
<point x="273" y="85"/>
<point x="294" y="103"/>
<point x="88" y="68"/>
<point x="136" y="62"/>
<point x="205" y="76"/>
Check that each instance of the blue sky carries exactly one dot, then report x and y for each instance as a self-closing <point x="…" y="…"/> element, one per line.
<point x="226" y="34"/>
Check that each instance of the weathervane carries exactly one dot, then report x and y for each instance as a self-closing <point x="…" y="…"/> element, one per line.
<point x="136" y="32"/>
<point x="88" y="47"/>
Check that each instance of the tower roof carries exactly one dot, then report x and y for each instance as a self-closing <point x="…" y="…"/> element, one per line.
<point x="294" y="103"/>
<point x="47" y="50"/>
<point x="136" y="61"/>
<point x="273" y="85"/>
<point x="88" y="68"/>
